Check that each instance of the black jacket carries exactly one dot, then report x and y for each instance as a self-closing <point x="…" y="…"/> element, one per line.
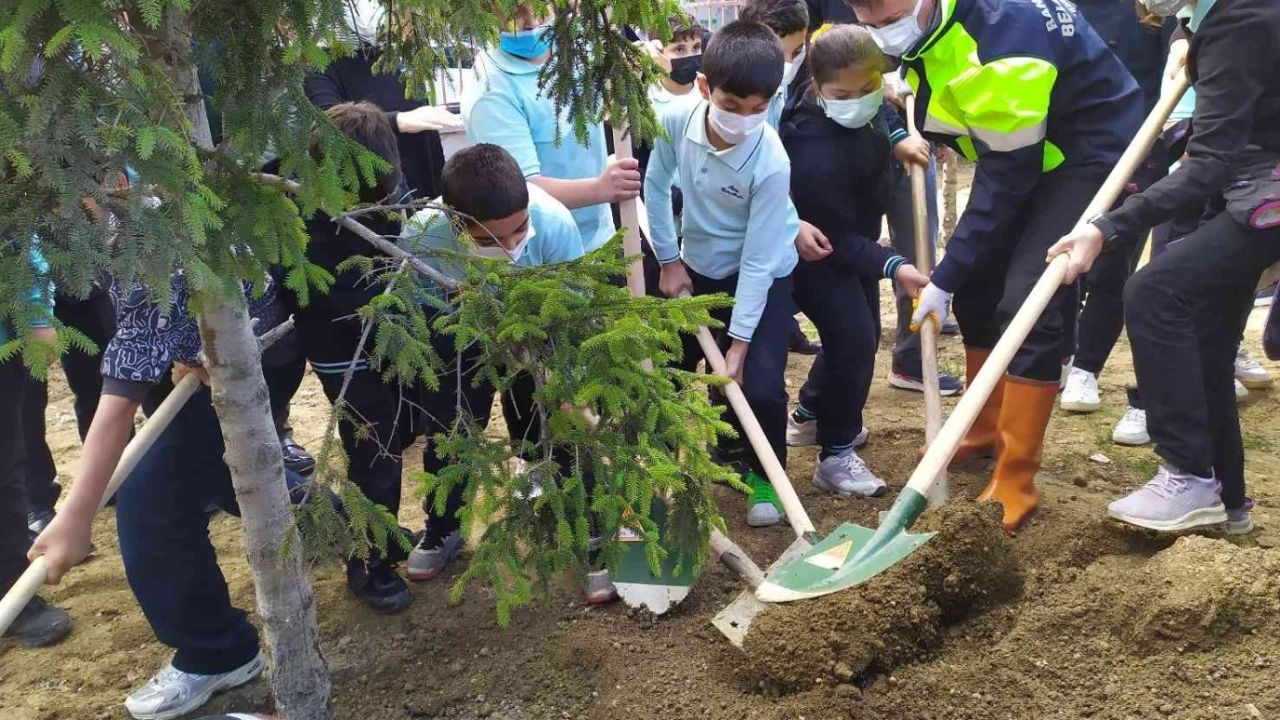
<point x="838" y="183"/>
<point x="351" y="79"/>
<point x="1142" y="49"/>
<point x="1234" y="63"/>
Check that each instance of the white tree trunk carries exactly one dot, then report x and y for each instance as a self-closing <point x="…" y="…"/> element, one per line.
<point x="299" y="676"/>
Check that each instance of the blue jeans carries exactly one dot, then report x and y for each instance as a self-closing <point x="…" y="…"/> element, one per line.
<point x="163" y="523"/>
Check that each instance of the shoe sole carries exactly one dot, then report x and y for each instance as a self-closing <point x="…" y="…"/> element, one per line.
<point x="757" y="524"/>
<point x="1200" y="518"/>
<point x="1131" y="441"/>
<point x="1256" y="384"/>
<point x="821" y="483"/>
<point x="243" y="676"/>
<point x="903" y="383"/>
<point x="450" y="557"/>
<point x="795" y="441"/>
<point x="1079" y="407"/>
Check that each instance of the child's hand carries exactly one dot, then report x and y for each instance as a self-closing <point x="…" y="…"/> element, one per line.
<point x="180" y="371"/>
<point x="911" y="279"/>
<point x="620" y="180"/>
<point x="427" y="117"/>
<point x="64" y="544"/>
<point x="912" y="149"/>
<point x="736" y="359"/>
<point x="811" y="243"/>
<point x="674" y="280"/>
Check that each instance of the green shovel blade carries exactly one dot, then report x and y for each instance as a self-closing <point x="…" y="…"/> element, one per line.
<point x="849" y="556"/>
<point x="637" y="586"/>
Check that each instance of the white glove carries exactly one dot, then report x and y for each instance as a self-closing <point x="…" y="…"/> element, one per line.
<point x="933" y="301"/>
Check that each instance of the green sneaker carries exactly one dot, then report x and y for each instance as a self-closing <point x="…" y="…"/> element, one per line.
<point x="763" y="507"/>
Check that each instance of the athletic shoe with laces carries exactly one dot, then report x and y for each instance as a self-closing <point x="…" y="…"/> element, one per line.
<point x="427" y="562"/>
<point x="40" y="624"/>
<point x="173" y="693"/>
<point x="763" y="507"/>
<point x="37" y="521"/>
<point x="1240" y="520"/>
<point x="848" y="476"/>
<point x="1132" y="428"/>
<point x="1249" y="372"/>
<point x="378" y="585"/>
<point x="296" y="457"/>
<point x="1081" y="392"/>
<point x="805" y="434"/>
<point x="948" y="385"/>
<point x="1172" y="501"/>
<point x="1242" y="392"/>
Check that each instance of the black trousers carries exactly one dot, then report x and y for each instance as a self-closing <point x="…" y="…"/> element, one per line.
<point x="1184" y="315"/>
<point x="95" y="317"/>
<point x="996" y="288"/>
<point x="13" y="493"/>
<point x="846" y="311"/>
<point x="764" y="373"/>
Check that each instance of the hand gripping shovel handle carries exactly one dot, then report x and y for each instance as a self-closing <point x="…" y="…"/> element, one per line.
<point x="37" y="572"/>
<point x="939" y="453"/>
<point x="796" y="514"/>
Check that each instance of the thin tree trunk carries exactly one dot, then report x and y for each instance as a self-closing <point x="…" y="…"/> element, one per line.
<point x="950" y="188"/>
<point x="299" y="675"/>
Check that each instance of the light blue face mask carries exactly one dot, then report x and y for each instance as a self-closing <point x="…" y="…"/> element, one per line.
<point x="526" y="44"/>
<point x="854" y="112"/>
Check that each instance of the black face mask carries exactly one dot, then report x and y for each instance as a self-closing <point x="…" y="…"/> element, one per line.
<point x="684" y="70"/>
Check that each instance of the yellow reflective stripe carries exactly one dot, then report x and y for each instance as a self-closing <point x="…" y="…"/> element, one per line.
<point x="966" y="147"/>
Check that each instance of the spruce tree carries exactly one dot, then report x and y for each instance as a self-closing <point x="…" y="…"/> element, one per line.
<point x="90" y="89"/>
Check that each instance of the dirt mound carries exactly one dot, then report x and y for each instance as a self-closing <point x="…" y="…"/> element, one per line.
<point x="897" y="616"/>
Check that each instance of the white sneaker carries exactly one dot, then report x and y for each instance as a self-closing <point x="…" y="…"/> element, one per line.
<point x="1250" y="372"/>
<point x="1081" y="392"/>
<point x="173" y="693"/>
<point x="1172" y="501"/>
<point x="1242" y="392"/>
<point x="1132" y="428"/>
<point x="801" y="434"/>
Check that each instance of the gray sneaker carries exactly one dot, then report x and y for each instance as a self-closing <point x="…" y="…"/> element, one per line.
<point x="599" y="588"/>
<point x="173" y="693"/>
<point x="847" y="476"/>
<point x="40" y="624"/>
<point x="1240" y="520"/>
<point x="1172" y="501"/>
<point x="426" y="563"/>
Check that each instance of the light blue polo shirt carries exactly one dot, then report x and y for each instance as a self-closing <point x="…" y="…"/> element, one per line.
<point x="738" y="215"/>
<point x="555" y="235"/>
<point x="505" y="107"/>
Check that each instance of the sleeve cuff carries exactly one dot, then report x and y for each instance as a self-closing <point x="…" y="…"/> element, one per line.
<point x="1109" y="230"/>
<point x="944" y="276"/>
<point x="737" y="335"/>
<point x="128" y="389"/>
<point x="898" y="136"/>
<point x="391" y="118"/>
<point x="892" y="264"/>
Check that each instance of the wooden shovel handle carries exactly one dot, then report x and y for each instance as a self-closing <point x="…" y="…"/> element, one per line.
<point x="928" y="330"/>
<point x="939" y="453"/>
<point x="630" y="219"/>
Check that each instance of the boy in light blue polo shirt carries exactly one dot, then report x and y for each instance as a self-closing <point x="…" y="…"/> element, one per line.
<point x="739" y="224"/>
<point x="505" y="107"/>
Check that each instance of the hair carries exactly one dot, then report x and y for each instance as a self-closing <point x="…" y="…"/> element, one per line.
<point x="683" y="27"/>
<point x="367" y="125"/>
<point x="744" y="58"/>
<point x="836" y="47"/>
<point x="784" y="17"/>
<point x="485" y="182"/>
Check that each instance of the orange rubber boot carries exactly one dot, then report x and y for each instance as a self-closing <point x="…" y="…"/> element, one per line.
<point x="981" y="439"/>
<point x="1023" y="420"/>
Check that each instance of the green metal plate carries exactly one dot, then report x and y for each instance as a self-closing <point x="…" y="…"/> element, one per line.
<point x="637" y="586"/>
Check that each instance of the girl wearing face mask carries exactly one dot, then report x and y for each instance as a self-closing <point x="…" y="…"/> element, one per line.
<point x="838" y="156"/>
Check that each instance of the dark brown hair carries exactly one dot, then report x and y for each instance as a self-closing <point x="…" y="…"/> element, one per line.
<point x="840" y="47"/>
<point x="366" y="124"/>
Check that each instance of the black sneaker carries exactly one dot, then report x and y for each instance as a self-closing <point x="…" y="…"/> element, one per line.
<point x="378" y="585"/>
<point x="296" y="457"/>
<point x="802" y="345"/>
<point x="37" y="521"/>
<point x="40" y="624"/>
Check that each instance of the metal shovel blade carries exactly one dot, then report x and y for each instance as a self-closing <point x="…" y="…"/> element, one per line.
<point x="635" y="582"/>
<point x="847" y="558"/>
<point x="735" y="619"/>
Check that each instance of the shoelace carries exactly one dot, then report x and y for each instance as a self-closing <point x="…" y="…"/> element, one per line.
<point x="1165" y="484"/>
<point x="1244" y="362"/>
<point x="1134" y="415"/>
<point x="167" y="676"/>
<point x="762" y="491"/>
<point x="852" y="463"/>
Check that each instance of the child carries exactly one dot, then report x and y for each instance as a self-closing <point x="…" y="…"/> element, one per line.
<point x="39" y="623"/>
<point x="509" y="218"/>
<point x="790" y="20"/>
<point x="505" y="107"/>
<point x="739" y="223"/>
<point x="328" y="332"/>
<point x="829" y="132"/>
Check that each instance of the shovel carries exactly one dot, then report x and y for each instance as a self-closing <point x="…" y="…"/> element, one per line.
<point x="929" y="331"/>
<point x="852" y="554"/>
<point x="29" y="583"/>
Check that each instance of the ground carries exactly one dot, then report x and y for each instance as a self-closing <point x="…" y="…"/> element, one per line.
<point x="1075" y="617"/>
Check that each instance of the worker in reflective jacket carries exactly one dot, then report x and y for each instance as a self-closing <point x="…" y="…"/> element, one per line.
<point x="1027" y="90"/>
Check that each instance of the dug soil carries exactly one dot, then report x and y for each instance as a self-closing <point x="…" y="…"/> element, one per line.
<point x="1075" y="617"/>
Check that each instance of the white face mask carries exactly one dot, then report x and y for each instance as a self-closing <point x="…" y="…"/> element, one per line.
<point x="1164" y="8"/>
<point x="898" y="37"/>
<point x="497" y="252"/>
<point x="365" y="18"/>
<point x="854" y="112"/>
<point x="789" y="70"/>
<point x="732" y="127"/>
